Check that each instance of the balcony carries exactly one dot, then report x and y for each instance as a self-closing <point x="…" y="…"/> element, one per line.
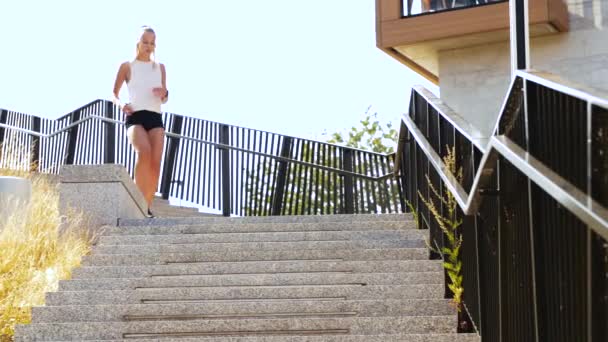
<point x="414" y="31"/>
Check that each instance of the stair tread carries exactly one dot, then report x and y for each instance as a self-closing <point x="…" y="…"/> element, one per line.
<point x="278" y="219"/>
<point x="326" y="338"/>
<point x="287" y="279"/>
<point x="243" y="310"/>
<point x="258" y="255"/>
<point x="293" y="326"/>
<point x="222" y="227"/>
<point x="229" y="294"/>
<point x="261" y="237"/>
<point x="258" y="267"/>
<point x="246" y="246"/>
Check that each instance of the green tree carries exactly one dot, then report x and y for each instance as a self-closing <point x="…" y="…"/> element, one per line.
<point x="371" y="135"/>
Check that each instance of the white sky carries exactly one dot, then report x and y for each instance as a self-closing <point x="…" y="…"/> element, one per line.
<point x="293" y="67"/>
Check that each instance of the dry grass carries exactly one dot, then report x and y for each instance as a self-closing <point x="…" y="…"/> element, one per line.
<point x="36" y="251"/>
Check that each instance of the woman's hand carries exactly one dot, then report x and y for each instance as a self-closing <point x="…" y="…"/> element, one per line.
<point x="160" y="92"/>
<point x="127" y="109"/>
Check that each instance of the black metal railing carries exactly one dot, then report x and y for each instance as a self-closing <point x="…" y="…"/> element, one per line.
<point x="416" y="7"/>
<point x="534" y="202"/>
<point x="235" y="170"/>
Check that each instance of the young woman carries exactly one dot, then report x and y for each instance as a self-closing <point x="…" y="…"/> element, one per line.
<point x="147" y="83"/>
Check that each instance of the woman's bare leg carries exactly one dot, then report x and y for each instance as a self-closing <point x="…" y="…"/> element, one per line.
<point x="141" y="143"/>
<point x="157" y="139"/>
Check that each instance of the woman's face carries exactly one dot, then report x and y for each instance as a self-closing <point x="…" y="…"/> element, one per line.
<point x="147" y="43"/>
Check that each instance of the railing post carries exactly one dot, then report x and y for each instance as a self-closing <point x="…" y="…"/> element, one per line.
<point x="172" y="145"/>
<point x="226" y="172"/>
<point x="72" y="138"/>
<point x="109" y="156"/>
<point x="348" y="182"/>
<point x="35" y="144"/>
<point x="279" y="190"/>
<point x="3" y="120"/>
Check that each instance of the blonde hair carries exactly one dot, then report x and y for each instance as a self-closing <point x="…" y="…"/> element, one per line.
<point x="146" y="29"/>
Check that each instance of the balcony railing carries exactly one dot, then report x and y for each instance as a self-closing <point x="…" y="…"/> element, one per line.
<point x="533" y="198"/>
<point x="416" y="7"/>
<point x="235" y="170"/>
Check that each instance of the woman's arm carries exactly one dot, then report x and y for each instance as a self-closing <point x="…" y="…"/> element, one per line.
<point x="165" y="97"/>
<point x="121" y="77"/>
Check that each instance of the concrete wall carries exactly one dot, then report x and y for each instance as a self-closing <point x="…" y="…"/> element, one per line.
<point x="475" y="80"/>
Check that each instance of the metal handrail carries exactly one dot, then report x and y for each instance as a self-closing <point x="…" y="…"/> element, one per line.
<point x="218" y="145"/>
<point x="578" y="203"/>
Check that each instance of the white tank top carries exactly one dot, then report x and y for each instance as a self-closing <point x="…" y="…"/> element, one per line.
<point x="144" y="77"/>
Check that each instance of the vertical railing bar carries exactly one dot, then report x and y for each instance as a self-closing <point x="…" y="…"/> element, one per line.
<point x="256" y="179"/>
<point x="175" y="185"/>
<point x="291" y="176"/>
<point x="311" y="154"/>
<point x="250" y="173"/>
<point x="246" y="175"/>
<point x="261" y="170"/>
<point x="589" y="270"/>
<point x="110" y="135"/>
<point x="179" y="182"/>
<point x="214" y="168"/>
<point x="185" y="162"/>
<point x="206" y="166"/>
<point x="36" y="142"/>
<point x="197" y="179"/>
<point x="235" y="157"/>
<point x="73" y="135"/>
<point x="305" y="157"/>
<point x="241" y="170"/>
<point x="217" y="196"/>
<point x="362" y="186"/>
<point x="261" y="174"/>
<point x="335" y="186"/>
<point x="395" y="185"/>
<point x="325" y="207"/>
<point x="370" y="170"/>
<point x="279" y="197"/>
<point x="85" y="151"/>
<point x="382" y="187"/>
<point x="99" y="129"/>
<point x="531" y="217"/>
<point x="195" y="162"/>
<point x="188" y="178"/>
<point x="269" y="174"/>
<point x="316" y="178"/>
<point x="298" y="178"/>
<point x="387" y="187"/>
<point x="226" y="172"/>
<point x="347" y="160"/>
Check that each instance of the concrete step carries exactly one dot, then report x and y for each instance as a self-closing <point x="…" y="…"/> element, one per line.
<point x="345" y="218"/>
<point x="325" y="338"/>
<point x="253" y="280"/>
<point x="242" y="310"/>
<point x="130" y="259"/>
<point x="263" y="227"/>
<point x="255" y="294"/>
<point x="237" y="327"/>
<point x="257" y="267"/>
<point x="393" y="235"/>
<point x="222" y="247"/>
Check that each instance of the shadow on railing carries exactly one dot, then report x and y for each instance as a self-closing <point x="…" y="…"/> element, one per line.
<point x="416" y="7"/>
<point x="533" y="198"/>
<point x="236" y="170"/>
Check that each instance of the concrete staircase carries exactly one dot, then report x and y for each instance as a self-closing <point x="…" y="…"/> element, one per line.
<point x="299" y="278"/>
<point x="162" y="208"/>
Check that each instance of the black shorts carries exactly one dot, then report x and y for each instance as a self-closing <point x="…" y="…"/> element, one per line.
<point x="147" y="119"/>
